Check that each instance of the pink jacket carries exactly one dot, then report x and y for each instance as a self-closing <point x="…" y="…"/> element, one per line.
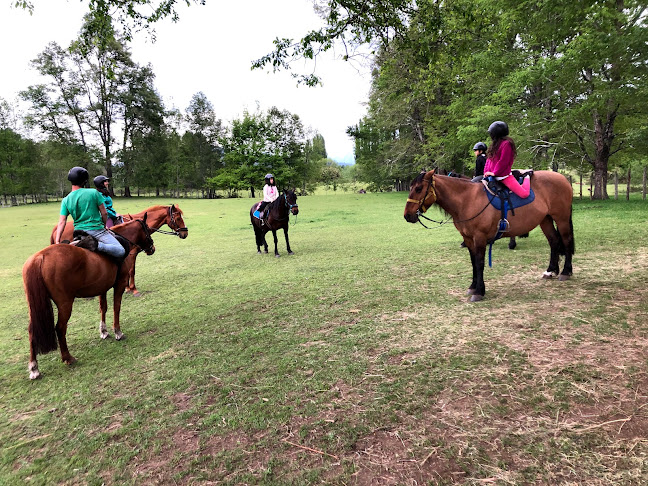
<point x="502" y="161"/>
<point x="270" y="193"/>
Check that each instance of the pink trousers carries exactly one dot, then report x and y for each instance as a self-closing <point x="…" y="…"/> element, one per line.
<point x="520" y="190"/>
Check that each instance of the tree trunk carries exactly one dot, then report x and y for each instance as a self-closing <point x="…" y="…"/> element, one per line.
<point x="127" y="191"/>
<point x="252" y="191"/>
<point x="603" y="137"/>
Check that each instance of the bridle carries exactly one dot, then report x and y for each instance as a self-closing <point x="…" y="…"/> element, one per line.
<point x="423" y="207"/>
<point x="289" y="206"/>
<point x="421" y="202"/>
<point x="149" y="241"/>
<point x="171" y="224"/>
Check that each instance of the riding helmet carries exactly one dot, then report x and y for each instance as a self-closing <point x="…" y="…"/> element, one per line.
<point x="498" y="129"/>
<point x="480" y="146"/>
<point x="268" y="177"/>
<point x="99" y="181"/>
<point x="78" y="176"/>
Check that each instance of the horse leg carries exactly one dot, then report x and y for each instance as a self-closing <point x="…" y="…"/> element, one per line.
<point x="512" y="243"/>
<point x="477" y="256"/>
<point x="64" y="313"/>
<point x="290" y="252"/>
<point x="257" y="238"/>
<point x="566" y="231"/>
<point x="473" y="284"/>
<point x="117" y="301"/>
<point x="550" y="232"/>
<point x="103" y="307"/>
<point x="274" y="235"/>
<point x="131" y="279"/>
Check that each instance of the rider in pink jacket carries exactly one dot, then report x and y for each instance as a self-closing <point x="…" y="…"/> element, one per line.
<point x="500" y="157"/>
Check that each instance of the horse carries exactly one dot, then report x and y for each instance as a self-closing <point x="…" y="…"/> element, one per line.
<point x="512" y="242"/>
<point x="157" y="217"/>
<point x="59" y="273"/>
<point x="478" y="221"/>
<point x="278" y="214"/>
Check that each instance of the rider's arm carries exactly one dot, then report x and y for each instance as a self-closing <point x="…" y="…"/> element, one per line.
<point x="104" y="214"/>
<point x="59" y="229"/>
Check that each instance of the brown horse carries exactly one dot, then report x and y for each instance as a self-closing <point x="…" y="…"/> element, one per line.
<point x="62" y="272"/>
<point x="278" y="212"/>
<point x="157" y="217"/>
<point x="468" y="205"/>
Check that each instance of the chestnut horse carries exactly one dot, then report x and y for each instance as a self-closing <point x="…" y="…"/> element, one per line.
<point x="62" y="272"/>
<point x="278" y="212"/>
<point x="468" y="205"/>
<point x="157" y="217"/>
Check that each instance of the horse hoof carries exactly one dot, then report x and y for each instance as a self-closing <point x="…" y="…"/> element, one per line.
<point x="277" y="256"/>
<point x="34" y="375"/>
<point x="70" y="361"/>
<point x="562" y="278"/>
<point x="291" y="252"/>
<point x="549" y="275"/>
<point x="258" y="252"/>
<point x="476" y="298"/>
<point x="104" y="335"/>
<point x="119" y="336"/>
<point x="470" y="292"/>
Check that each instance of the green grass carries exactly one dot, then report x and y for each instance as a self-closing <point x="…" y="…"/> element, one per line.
<point x="356" y="359"/>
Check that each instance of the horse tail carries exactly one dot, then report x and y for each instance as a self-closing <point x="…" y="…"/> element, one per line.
<point x="572" y="242"/>
<point x="42" y="334"/>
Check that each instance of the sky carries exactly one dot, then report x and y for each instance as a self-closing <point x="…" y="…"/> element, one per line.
<point x="210" y="49"/>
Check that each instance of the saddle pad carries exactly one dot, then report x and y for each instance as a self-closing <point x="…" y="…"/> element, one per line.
<point x="516" y="201"/>
<point x="256" y="214"/>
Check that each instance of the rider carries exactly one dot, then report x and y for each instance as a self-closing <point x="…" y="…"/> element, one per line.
<point x="101" y="183"/>
<point x="86" y="206"/>
<point x="270" y="193"/>
<point x="500" y="157"/>
<point x="480" y="160"/>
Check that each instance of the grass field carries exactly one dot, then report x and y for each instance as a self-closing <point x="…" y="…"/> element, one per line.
<point x="358" y="360"/>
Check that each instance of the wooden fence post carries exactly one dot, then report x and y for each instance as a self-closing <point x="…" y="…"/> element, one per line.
<point x="628" y="186"/>
<point x="616" y="185"/>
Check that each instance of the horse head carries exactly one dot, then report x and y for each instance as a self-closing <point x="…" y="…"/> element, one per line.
<point x="137" y="233"/>
<point x="291" y="201"/>
<point x="422" y="195"/>
<point x="176" y="223"/>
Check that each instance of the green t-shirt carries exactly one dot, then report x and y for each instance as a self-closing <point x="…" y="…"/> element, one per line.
<point x="83" y="206"/>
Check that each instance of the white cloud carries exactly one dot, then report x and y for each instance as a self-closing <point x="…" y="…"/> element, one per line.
<point x="211" y="50"/>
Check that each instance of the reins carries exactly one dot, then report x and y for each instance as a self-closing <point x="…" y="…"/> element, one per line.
<point x="421" y="202"/>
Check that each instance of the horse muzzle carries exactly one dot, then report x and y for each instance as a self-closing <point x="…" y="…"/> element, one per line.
<point x="150" y="250"/>
<point x="295" y="211"/>
<point x="411" y="217"/>
<point x="182" y="234"/>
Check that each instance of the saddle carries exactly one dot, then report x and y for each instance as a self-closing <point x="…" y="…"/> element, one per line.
<point x="260" y="215"/>
<point x="89" y="242"/>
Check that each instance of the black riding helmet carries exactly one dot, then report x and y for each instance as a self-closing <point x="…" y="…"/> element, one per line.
<point x="498" y="129"/>
<point x="78" y="176"/>
<point x="99" y="181"/>
<point x="480" y="146"/>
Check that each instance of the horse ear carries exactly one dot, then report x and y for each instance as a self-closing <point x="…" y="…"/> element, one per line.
<point x="145" y="216"/>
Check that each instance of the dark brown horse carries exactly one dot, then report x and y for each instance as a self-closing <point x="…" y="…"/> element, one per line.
<point x="62" y="272"/>
<point x="158" y="216"/>
<point x="278" y="213"/>
<point x="478" y="222"/>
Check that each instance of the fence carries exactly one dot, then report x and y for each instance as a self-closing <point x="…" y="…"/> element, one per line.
<point x="615" y="178"/>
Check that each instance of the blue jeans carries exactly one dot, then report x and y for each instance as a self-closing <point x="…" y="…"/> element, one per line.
<point x="108" y="243"/>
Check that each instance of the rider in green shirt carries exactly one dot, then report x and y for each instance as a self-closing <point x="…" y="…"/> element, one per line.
<point x="86" y="206"/>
